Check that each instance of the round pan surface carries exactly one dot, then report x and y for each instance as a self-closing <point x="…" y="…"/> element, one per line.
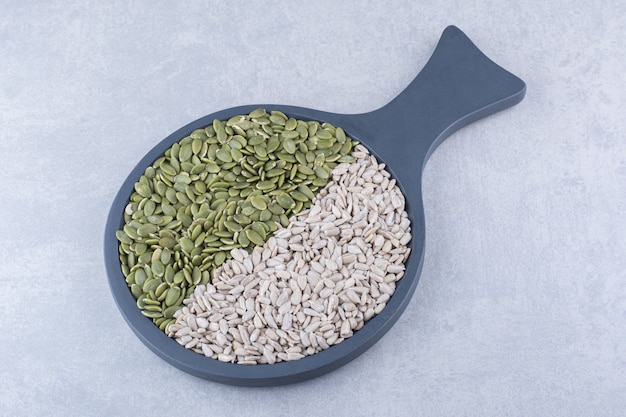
<point x="457" y="86"/>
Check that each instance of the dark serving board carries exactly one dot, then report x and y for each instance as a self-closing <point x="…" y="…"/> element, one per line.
<point x="457" y="86"/>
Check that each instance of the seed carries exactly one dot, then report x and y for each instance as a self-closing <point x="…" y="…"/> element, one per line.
<point x="212" y="167"/>
<point x="187" y="244"/>
<point x="257" y="113"/>
<point x="276" y="119"/>
<point x="258" y="203"/>
<point x="223" y="155"/>
<point x="123" y="237"/>
<point x="304" y="169"/>
<point x="319" y="182"/>
<point x="219" y="258"/>
<point x="241" y="219"/>
<point x="142" y="189"/>
<point x="289" y="146"/>
<point x="152" y="314"/>
<point x="306" y="191"/>
<point x="136" y="290"/>
<point x="146" y="229"/>
<point x="254" y="237"/>
<point x="185" y="152"/>
<point x="243" y="240"/>
<point x="275" y="208"/>
<point x="340" y="135"/>
<point x="265" y="215"/>
<point x="298" y="196"/>
<point x="265" y="185"/>
<point x="321" y="172"/>
<point x="256" y="140"/>
<point x="151" y="285"/>
<point x="285" y="201"/>
<point x="172" y="295"/>
<point x="233" y="226"/>
<point x="248" y="211"/>
<point x="291" y="124"/>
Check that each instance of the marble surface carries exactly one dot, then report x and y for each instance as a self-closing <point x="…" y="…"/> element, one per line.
<point x="521" y="308"/>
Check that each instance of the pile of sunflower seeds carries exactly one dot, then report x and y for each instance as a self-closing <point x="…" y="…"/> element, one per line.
<point x="313" y="283"/>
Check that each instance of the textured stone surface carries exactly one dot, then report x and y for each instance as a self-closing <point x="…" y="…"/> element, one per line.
<point x="521" y="308"/>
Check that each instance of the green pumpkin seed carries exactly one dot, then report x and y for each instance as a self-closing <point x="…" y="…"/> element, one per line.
<point x="260" y="151"/>
<point x="152" y="314"/>
<point x="275" y="208"/>
<point x="169" y="311"/>
<point x="304" y="169"/>
<point x="220" y="131"/>
<point x="257" y="113"/>
<point x="265" y="185"/>
<point x="158" y="220"/>
<point x="300" y="155"/>
<point x="289" y="135"/>
<point x="158" y="269"/>
<point x="319" y="182"/>
<point x="232" y="226"/>
<point x="123" y="237"/>
<point x="167" y="242"/>
<point x="273" y="143"/>
<point x="179" y="277"/>
<point x="172" y="295"/>
<point x="258" y="203"/>
<point x="212" y="167"/>
<point x="161" y="289"/>
<point x="340" y="135"/>
<point x="346" y="148"/>
<point x="248" y="210"/>
<point x="256" y="140"/>
<point x="291" y="124"/>
<point x="186" y="244"/>
<point x="146" y="229"/>
<point x="236" y="155"/>
<point x="289" y="146"/>
<point x="265" y="215"/>
<point x="223" y="233"/>
<point x="306" y="191"/>
<point x="151" y="284"/>
<point x="321" y="172"/>
<point x="219" y="258"/>
<point x="324" y="134"/>
<point x="275" y="172"/>
<point x="346" y="159"/>
<point x="136" y="290"/>
<point x="254" y="237"/>
<point x="149" y="207"/>
<point x="143" y="189"/>
<point x="234" y="120"/>
<point x="223" y="155"/>
<point x="285" y="201"/>
<point x="168" y="276"/>
<point x="299" y="196"/>
<point x="243" y="240"/>
<point x="185" y="153"/>
<point x="272" y="226"/>
<point x="278" y="120"/>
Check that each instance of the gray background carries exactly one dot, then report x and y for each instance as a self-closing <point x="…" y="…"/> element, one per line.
<point x="521" y="308"/>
